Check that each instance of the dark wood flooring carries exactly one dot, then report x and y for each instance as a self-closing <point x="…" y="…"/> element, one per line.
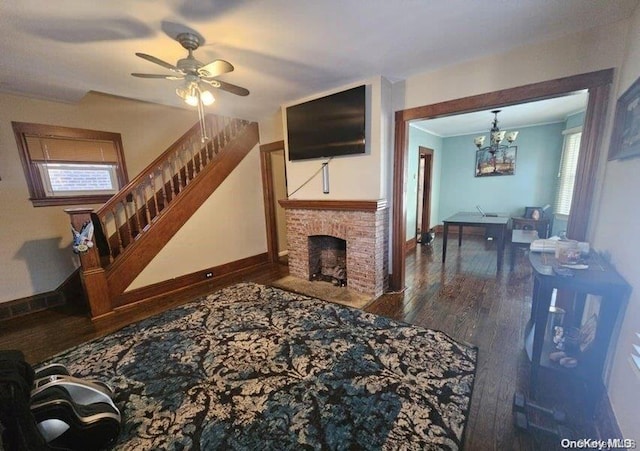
<point x="466" y="298"/>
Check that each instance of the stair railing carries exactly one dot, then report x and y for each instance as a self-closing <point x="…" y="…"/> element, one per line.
<point x="131" y="212"/>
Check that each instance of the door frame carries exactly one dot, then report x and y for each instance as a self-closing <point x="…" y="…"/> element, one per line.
<point x="427" y="154"/>
<point x="598" y="85"/>
<point x="266" y="170"/>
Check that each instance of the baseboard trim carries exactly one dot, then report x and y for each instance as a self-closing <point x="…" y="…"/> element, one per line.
<point x="410" y="244"/>
<point x="42" y="301"/>
<point x="188" y="281"/>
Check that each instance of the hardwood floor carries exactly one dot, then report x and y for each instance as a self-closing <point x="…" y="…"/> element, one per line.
<point x="465" y="298"/>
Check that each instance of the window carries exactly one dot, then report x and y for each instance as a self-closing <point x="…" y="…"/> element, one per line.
<point x="567" y="170"/>
<point x="66" y="166"/>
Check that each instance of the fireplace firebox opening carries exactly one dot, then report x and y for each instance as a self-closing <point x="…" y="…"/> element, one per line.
<point x="328" y="259"/>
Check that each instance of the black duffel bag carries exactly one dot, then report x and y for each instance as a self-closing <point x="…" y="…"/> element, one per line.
<point x="19" y="431"/>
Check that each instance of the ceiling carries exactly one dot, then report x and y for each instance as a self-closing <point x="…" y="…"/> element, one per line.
<point x="282" y="50"/>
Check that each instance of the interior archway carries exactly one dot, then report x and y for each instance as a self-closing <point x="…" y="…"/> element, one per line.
<point x="597" y="83"/>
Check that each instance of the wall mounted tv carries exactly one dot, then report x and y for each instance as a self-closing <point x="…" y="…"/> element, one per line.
<point x="328" y="126"/>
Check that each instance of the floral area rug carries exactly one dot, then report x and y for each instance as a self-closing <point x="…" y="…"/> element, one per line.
<point x="252" y="367"/>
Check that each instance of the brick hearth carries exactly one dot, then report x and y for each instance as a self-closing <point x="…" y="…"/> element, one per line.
<point x="362" y="224"/>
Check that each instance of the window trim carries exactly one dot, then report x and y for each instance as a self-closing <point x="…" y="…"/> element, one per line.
<point x="37" y="191"/>
<point x="567" y="134"/>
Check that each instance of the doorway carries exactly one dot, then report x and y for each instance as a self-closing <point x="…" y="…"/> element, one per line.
<point x="423" y="204"/>
<point x="597" y="84"/>
<point x="274" y="188"/>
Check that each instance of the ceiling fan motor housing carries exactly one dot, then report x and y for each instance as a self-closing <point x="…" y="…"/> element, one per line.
<point x="189" y="41"/>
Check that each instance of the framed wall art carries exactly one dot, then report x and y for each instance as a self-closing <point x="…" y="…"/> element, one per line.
<point x="492" y="162"/>
<point x="625" y="140"/>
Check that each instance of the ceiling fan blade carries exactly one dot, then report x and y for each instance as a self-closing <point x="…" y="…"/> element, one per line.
<point x="233" y="89"/>
<point x="158" y="61"/>
<point x="166" y="77"/>
<point x="215" y="68"/>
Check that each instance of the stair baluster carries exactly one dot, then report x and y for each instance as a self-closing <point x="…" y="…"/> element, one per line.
<point x="114" y="213"/>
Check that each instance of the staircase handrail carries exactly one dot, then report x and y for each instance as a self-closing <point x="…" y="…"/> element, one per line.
<point x="151" y="167"/>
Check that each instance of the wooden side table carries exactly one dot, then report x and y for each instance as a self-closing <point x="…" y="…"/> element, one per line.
<point x="599" y="279"/>
<point x="541" y="225"/>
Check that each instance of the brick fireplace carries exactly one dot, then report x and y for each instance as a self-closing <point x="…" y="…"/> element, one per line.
<point x="363" y="225"/>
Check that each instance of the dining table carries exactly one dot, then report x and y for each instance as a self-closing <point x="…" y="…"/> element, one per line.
<point x="494" y="224"/>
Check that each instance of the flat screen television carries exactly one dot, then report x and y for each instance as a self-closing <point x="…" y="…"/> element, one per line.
<point x="328" y="126"/>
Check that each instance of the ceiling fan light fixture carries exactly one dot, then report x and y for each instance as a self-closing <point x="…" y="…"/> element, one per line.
<point x="206" y="97"/>
<point x="197" y="77"/>
<point x="192" y="95"/>
<point x="191" y="100"/>
<point x="187" y="94"/>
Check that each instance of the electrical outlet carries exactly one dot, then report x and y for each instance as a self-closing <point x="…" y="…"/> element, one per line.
<point x="209" y="275"/>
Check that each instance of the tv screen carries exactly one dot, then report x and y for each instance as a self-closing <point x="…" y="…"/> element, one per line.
<point x="328" y="126"/>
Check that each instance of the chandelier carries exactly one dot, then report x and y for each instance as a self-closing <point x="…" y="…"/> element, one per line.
<point x="496" y="137"/>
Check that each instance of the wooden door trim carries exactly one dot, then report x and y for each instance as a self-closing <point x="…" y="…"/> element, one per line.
<point x="588" y="160"/>
<point x="596" y="82"/>
<point x="268" y="197"/>
<point x="426" y="200"/>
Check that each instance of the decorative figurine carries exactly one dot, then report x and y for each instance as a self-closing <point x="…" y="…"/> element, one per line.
<point x="82" y="240"/>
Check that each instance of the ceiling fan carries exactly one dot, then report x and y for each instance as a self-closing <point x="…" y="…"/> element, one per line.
<point x="197" y="76"/>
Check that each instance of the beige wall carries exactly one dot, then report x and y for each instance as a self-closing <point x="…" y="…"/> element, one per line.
<point x="596" y="49"/>
<point x="616" y="231"/>
<point x="362" y="176"/>
<point x="35" y="243"/>
<point x="230" y="225"/>
<point x="271" y="128"/>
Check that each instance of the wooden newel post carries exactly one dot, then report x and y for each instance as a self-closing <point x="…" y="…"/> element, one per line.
<point x="94" y="279"/>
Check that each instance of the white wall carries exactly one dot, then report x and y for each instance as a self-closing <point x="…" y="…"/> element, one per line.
<point x="35" y="243"/>
<point x="617" y="223"/>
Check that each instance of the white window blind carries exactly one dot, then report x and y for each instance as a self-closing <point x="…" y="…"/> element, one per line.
<point x="567" y="170"/>
<point x="78" y="179"/>
<point x="635" y="355"/>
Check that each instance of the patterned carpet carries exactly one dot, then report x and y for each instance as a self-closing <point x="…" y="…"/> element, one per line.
<point x="258" y="368"/>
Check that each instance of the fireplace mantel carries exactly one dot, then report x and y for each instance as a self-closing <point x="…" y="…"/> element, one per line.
<point x="341" y="205"/>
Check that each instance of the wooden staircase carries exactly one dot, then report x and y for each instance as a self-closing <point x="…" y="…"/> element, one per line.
<point x="137" y="222"/>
